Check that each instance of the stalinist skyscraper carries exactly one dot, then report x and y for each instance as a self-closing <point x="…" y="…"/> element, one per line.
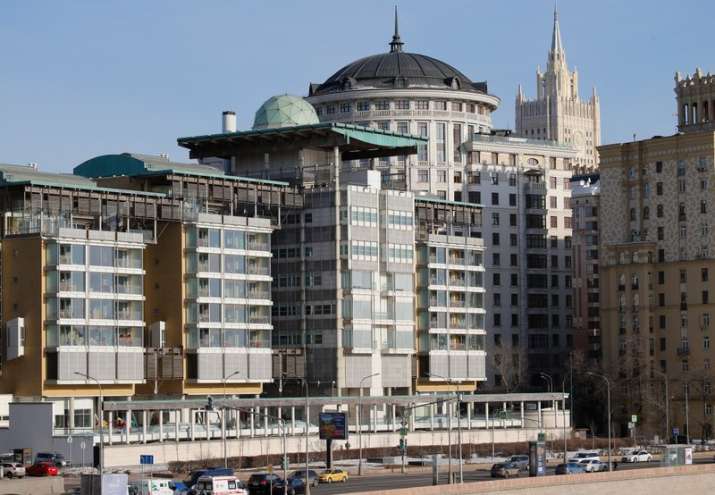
<point x="558" y="113"/>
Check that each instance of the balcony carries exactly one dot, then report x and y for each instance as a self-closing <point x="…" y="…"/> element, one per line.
<point x="535" y="188"/>
<point x="683" y="351"/>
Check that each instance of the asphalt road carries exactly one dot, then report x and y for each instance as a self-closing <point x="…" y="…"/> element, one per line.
<point x="397" y="480"/>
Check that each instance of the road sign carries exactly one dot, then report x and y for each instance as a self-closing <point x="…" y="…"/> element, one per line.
<point x="676" y="431"/>
<point x="630" y="425"/>
<point x="82" y="445"/>
<point x="146" y="459"/>
<point x="634" y="419"/>
<point x="69" y="439"/>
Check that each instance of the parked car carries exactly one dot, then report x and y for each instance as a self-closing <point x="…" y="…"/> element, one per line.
<point x="570" y="468"/>
<point x="151" y="487"/>
<point x="637" y="456"/>
<point x="505" y="470"/>
<point x="313" y="477"/>
<point x="13" y="470"/>
<point x="42" y="469"/>
<point x="262" y="483"/>
<point x="593" y="466"/>
<point x="53" y="457"/>
<point x="220" y="485"/>
<point x="295" y="486"/>
<point x="583" y="456"/>
<point x="333" y="476"/>
<point x="207" y="471"/>
<point x="521" y="460"/>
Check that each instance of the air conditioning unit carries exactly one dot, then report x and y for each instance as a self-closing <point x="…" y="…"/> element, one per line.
<point x="157" y="332"/>
<point x="15" y="338"/>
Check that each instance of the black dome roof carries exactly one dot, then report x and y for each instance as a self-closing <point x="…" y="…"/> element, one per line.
<point x="397" y="69"/>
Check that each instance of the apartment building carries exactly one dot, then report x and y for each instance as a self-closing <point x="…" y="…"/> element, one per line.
<point x="656" y="260"/>
<point x="585" y="199"/>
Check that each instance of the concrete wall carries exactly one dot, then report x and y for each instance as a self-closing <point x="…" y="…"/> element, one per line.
<point x="128" y="455"/>
<point x="693" y="480"/>
<point x="33" y="486"/>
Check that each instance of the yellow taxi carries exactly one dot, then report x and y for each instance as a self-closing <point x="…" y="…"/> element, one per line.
<point x="333" y="476"/>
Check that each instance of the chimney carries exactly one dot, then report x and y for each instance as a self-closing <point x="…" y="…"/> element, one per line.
<point x="229" y="121"/>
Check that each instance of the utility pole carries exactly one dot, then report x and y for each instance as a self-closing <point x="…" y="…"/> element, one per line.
<point x="101" y="421"/>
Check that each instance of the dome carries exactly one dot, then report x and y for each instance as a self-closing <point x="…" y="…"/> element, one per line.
<point x="396" y="70"/>
<point x="285" y="111"/>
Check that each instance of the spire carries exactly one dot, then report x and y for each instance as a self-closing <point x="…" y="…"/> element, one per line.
<point x="396" y="43"/>
<point x="557" y="48"/>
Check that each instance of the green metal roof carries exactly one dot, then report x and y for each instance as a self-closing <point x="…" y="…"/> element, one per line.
<point x="283" y="111"/>
<point x="377" y="137"/>
<point x="17" y="175"/>
<point x="132" y="164"/>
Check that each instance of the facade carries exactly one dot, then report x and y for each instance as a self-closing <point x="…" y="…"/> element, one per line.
<point x="558" y="113"/>
<point x="465" y="160"/>
<point x="656" y="261"/>
<point x="344" y="290"/>
<point x="585" y="199"/>
<point x="695" y="97"/>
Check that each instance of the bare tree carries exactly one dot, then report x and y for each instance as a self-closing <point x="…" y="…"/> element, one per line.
<point x="510" y="365"/>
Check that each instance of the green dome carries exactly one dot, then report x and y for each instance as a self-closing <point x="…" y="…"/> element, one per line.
<point x="285" y="111"/>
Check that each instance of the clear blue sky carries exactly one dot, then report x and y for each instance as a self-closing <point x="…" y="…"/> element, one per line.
<point x="84" y="77"/>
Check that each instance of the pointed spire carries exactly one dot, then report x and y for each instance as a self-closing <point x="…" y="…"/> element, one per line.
<point x="396" y="43"/>
<point x="557" y="49"/>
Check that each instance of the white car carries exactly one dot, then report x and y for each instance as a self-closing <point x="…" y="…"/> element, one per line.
<point x="593" y="465"/>
<point x="637" y="456"/>
<point x="585" y="456"/>
<point x="13" y="470"/>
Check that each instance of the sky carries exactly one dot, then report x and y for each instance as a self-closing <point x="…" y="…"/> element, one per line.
<point x="83" y="78"/>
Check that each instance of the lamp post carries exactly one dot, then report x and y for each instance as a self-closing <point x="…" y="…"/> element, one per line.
<point x="225" y="450"/>
<point x="563" y="410"/>
<point x="359" y="425"/>
<point x="687" y="413"/>
<point x="449" y="431"/>
<point x="307" y="429"/>
<point x="608" y="405"/>
<point x="550" y="388"/>
<point x="667" y="402"/>
<point x="101" y="420"/>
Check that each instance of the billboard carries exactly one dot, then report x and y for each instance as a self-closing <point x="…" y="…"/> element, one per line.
<point x="333" y="425"/>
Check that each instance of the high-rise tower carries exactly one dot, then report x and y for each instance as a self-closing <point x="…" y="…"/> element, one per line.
<point x="558" y="113"/>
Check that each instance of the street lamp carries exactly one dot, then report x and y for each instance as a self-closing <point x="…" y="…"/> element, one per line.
<point x="101" y="420"/>
<point x="225" y="450"/>
<point x="449" y="426"/>
<point x="359" y="425"/>
<point x="667" y="403"/>
<point x="563" y="411"/>
<point x="548" y="379"/>
<point x="608" y="405"/>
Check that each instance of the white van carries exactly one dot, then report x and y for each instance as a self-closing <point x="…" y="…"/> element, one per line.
<point x="150" y="487"/>
<point x="219" y="485"/>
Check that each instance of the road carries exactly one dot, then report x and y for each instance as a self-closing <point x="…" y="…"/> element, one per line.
<point x="424" y="478"/>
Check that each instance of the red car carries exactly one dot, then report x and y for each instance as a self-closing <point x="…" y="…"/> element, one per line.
<point x="42" y="469"/>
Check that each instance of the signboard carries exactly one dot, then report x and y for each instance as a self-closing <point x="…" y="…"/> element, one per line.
<point x="333" y="425"/>
<point x="676" y="431"/>
<point x="630" y="425"/>
<point x="146" y="459"/>
<point x="634" y="419"/>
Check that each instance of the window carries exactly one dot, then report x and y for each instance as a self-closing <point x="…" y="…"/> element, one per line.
<point x="658" y="167"/>
<point x="706" y="298"/>
<point x="422" y="149"/>
<point x="402" y="105"/>
<point x="704" y="274"/>
<point x="363" y="106"/>
<point x="496" y="279"/>
<point x="423" y="176"/>
<point x="440" y="142"/>
<point x="457" y="142"/>
<point x="659" y="188"/>
<point x="495" y="238"/>
<point x="495" y="198"/>
<point x="382" y="105"/>
<point x="512" y="199"/>
<point x="440" y="105"/>
<point x="346" y="108"/>
<point x="422" y="104"/>
<point x="513" y="240"/>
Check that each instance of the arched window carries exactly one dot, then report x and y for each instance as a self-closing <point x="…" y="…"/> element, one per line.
<point x="532" y="161"/>
<point x="646" y="213"/>
<point x="632" y="214"/>
<point x="694" y="114"/>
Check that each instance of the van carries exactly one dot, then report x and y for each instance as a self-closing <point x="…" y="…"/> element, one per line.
<point x="207" y="471"/>
<point x="150" y="487"/>
<point x="220" y="485"/>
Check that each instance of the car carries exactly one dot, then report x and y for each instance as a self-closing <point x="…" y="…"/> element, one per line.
<point x="207" y="471"/>
<point x="637" y="456"/>
<point x="295" y="486"/>
<point x="570" y="468"/>
<point x="333" y="476"/>
<point x="53" y="457"/>
<point x="313" y="477"/>
<point x="521" y="460"/>
<point x="583" y="456"/>
<point x="593" y="466"/>
<point x="13" y="470"/>
<point x="505" y="470"/>
<point x="262" y="483"/>
<point x="42" y="469"/>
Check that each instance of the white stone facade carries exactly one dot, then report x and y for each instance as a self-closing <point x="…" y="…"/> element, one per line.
<point x="558" y="113"/>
